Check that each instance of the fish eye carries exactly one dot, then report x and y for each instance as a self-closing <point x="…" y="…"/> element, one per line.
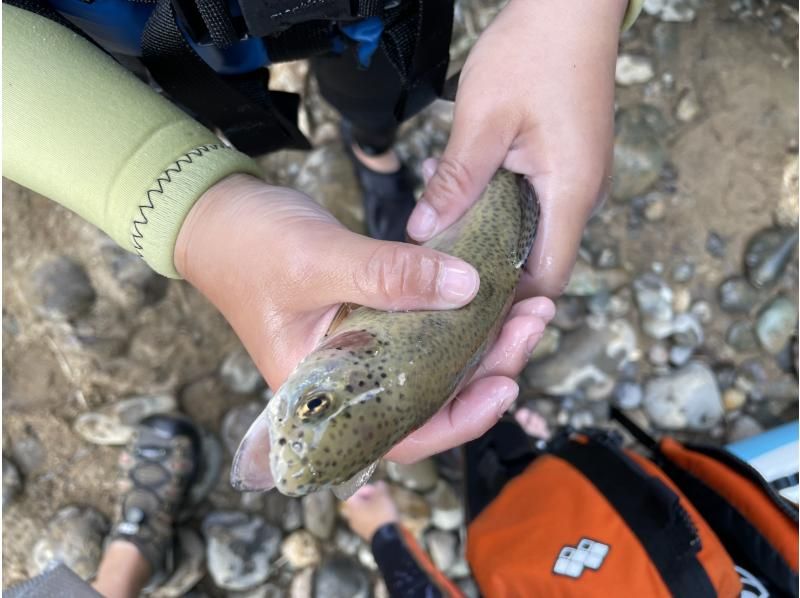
<point x="316" y="404"/>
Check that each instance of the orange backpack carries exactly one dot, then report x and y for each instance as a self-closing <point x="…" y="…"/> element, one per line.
<point x="588" y="518"/>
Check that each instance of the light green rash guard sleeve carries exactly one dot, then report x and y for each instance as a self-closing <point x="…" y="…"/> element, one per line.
<point x="82" y="130"/>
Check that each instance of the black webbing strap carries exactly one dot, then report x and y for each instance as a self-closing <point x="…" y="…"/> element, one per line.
<point x="255" y="120"/>
<point x="300" y="41"/>
<point x="651" y="511"/>
<point x="265" y="17"/>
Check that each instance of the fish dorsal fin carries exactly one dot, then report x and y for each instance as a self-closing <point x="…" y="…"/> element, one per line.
<point x="345" y="309"/>
<point x="529" y="204"/>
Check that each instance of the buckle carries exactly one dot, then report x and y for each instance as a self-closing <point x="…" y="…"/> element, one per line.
<point x="266" y="17"/>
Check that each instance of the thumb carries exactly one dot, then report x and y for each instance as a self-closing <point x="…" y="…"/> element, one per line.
<point x="394" y="276"/>
<point x="474" y="152"/>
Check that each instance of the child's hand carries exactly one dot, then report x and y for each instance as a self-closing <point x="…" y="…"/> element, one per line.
<point x="536" y="96"/>
<point x="369" y="509"/>
<point x="278" y="266"/>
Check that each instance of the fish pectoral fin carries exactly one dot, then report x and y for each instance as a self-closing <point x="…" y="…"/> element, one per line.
<point x="346" y="489"/>
<point x="529" y="204"/>
<point x="345" y="309"/>
<point x="251" y="470"/>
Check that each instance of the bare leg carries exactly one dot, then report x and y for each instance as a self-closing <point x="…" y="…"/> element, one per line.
<point x="123" y="571"/>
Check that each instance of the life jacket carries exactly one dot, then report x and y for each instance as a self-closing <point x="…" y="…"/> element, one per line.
<point x="588" y="518"/>
<point x="208" y="56"/>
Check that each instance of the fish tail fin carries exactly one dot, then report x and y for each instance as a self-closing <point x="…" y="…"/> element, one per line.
<point x="529" y="204"/>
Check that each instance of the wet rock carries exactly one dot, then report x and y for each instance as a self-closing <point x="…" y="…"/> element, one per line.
<point x="633" y="70"/>
<point x="189" y="570"/>
<point x="743" y="427"/>
<point x="736" y="295"/>
<point x="733" y="399"/>
<point x="654" y="300"/>
<point x="776" y="324"/>
<point x="328" y="178"/>
<point x="12" y="482"/>
<point x="680" y="355"/>
<point x="586" y="281"/>
<point x="767" y="255"/>
<point x="240" y="548"/>
<point x="443" y="548"/>
<point x="74" y="537"/>
<point x="447" y="513"/>
<point x="115" y="424"/>
<point x="683" y="271"/>
<point x="688" y="108"/>
<point x="300" y="550"/>
<point x="547" y="345"/>
<point x="742" y="337"/>
<point x="570" y="313"/>
<point x="346" y="541"/>
<point x="676" y="11"/>
<point x="283" y="511"/>
<point x="715" y="245"/>
<point x="134" y="275"/>
<point x="588" y="361"/>
<point x="29" y="453"/>
<point x="685" y="399"/>
<point x="687" y="331"/>
<point x="341" y="577"/>
<point x="787" y="358"/>
<point x="62" y="289"/>
<point x="702" y="311"/>
<point x="786" y="215"/>
<point x="239" y="374"/>
<point x="420" y="476"/>
<point x="639" y="154"/>
<point x="726" y="375"/>
<point x="415" y="513"/>
<point x="237" y="421"/>
<point x="319" y="513"/>
<point x="628" y="395"/>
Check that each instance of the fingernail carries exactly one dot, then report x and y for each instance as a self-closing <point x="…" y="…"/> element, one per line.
<point x="458" y="282"/>
<point x="544" y="308"/>
<point x="422" y="223"/>
<point x="506" y="397"/>
<point x="533" y="340"/>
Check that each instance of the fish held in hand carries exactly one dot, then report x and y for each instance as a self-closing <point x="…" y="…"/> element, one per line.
<point x="378" y="376"/>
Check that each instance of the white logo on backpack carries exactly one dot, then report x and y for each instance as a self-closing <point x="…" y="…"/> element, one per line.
<point x="572" y="560"/>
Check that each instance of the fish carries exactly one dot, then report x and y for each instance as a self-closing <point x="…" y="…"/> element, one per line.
<point x="377" y="376"/>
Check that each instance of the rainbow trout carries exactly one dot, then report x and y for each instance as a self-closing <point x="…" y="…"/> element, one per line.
<point x="377" y="376"/>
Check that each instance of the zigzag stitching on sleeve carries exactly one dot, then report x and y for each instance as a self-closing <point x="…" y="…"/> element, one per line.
<point x="158" y="188"/>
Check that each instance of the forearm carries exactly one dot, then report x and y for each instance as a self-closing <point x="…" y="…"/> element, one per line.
<point x="83" y="131"/>
<point x="406" y="569"/>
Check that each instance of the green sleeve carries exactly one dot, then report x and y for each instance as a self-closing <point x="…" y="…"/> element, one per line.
<point x="83" y="131"/>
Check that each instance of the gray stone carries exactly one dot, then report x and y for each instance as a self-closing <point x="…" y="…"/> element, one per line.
<point x="688" y="107"/>
<point x="134" y="275"/>
<point x="658" y="354"/>
<point x="447" y="512"/>
<point x="189" y="569"/>
<point x="12" y="482"/>
<point x="776" y="324"/>
<point x="786" y="213"/>
<point x="702" y="311"/>
<point x="767" y="255"/>
<point x="300" y="549"/>
<point x="683" y="271"/>
<point x="628" y="395"/>
<point x="633" y="70"/>
<point x="283" y="511"/>
<point x="589" y="361"/>
<point x="114" y="424"/>
<point x="687" y="399"/>
<point x="586" y="281"/>
<point x="346" y="541"/>
<point x="420" y="476"/>
<point x="319" y="513"/>
<point x="736" y="295"/>
<point x="73" y="537"/>
<point x="237" y="421"/>
<point x="301" y="586"/>
<point x="548" y="344"/>
<point x="654" y="300"/>
<point x="715" y="245"/>
<point x="680" y="355"/>
<point x="341" y="577"/>
<point x="366" y="558"/>
<point x="240" y="548"/>
<point x="639" y="154"/>
<point x="655" y="206"/>
<point x="742" y="337"/>
<point x="687" y="331"/>
<point x="743" y="427"/>
<point x="443" y="548"/>
<point x="62" y="289"/>
<point x="29" y="453"/>
<point x="570" y="313"/>
<point x="239" y="373"/>
<point x="268" y="590"/>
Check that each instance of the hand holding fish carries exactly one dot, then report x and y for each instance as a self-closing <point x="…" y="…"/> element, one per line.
<point x="536" y="95"/>
<point x="278" y="266"/>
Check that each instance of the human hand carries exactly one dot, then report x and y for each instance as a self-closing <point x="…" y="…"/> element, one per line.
<point x="278" y="266"/>
<point x="369" y="509"/>
<point x="535" y="96"/>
